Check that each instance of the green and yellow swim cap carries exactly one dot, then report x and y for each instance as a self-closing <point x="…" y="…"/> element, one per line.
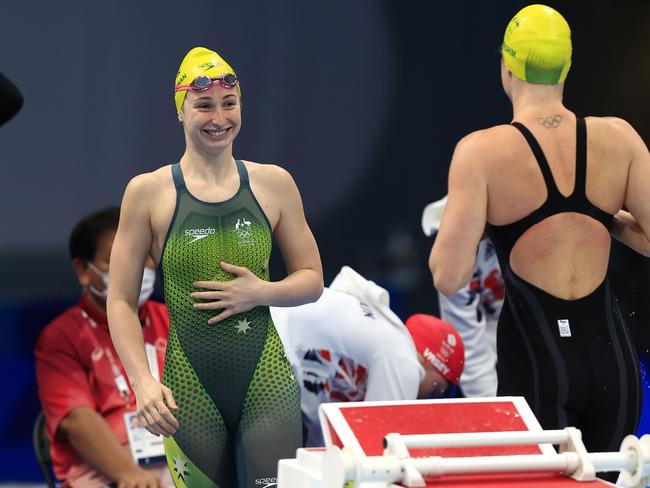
<point x="537" y="45"/>
<point x="199" y="61"/>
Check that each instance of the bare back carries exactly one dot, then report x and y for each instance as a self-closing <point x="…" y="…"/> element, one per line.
<point x="565" y="254"/>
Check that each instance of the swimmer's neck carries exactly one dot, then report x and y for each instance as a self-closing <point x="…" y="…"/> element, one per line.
<point x="213" y="167"/>
<point x="536" y="99"/>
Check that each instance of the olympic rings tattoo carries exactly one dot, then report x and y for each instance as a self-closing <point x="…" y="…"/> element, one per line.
<point x="550" y="122"/>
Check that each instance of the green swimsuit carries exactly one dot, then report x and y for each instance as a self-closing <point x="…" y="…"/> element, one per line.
<point x="239" y="405"/>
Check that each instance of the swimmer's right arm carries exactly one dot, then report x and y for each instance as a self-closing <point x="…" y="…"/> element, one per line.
<point x="453" y="255"/>
<point x="131" y="247"/>
<point x="633" y="228"/>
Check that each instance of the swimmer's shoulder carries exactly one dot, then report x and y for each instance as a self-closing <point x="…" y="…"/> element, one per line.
<point x="612" y="122"/>
<point x="484" y="146"/>
<point x="610" y="126"/>
<point x="269" y="176"/>
<point x="151" y="185"/>
<point x="615" y="137"/>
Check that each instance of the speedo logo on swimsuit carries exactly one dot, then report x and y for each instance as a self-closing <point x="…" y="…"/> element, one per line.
<point x="266" y="482"/>
<point x="198" y="234"/>
<point x="435" y="361"/>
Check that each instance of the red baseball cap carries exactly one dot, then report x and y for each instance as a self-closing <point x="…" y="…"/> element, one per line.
<point x="439" y="344"/>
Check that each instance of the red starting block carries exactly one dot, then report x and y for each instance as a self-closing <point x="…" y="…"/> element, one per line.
<point x="359" y="455"/>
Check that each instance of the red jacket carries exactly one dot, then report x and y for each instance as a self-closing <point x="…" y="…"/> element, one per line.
<point x="77" y="366"/>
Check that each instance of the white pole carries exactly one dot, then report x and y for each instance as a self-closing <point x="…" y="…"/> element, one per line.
<point x="613" y="461"/>
<point x="437" y="466"/>
<point x="434" y="466"/>
<point x="474" y="439"/>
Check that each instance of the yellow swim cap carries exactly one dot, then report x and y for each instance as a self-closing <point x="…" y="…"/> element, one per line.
<point x="537" y="45"/>
<point x="199" y="61"/>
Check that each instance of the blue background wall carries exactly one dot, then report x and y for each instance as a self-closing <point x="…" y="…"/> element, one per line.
<point x="362" y="101"/>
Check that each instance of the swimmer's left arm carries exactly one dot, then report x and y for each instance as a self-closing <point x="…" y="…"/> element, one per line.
<point x="638" y="185"/>
<point x="304" y="281"/>
<point x="628" y="231"/>
<point x="454" y="251"/>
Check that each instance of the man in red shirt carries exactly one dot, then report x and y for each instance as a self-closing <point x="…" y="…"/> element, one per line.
<point x="81" y="382"/>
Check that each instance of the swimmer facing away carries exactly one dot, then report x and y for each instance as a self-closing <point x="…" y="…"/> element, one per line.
<point x="549" y="188"/>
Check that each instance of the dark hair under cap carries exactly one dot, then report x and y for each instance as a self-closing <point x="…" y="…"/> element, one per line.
<point x="86" y="234"/>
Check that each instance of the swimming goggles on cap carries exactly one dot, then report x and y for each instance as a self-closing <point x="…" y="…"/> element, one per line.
<point x="202" y="83"/>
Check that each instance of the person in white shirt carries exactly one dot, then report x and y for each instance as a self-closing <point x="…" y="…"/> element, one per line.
<point x="350" y="346"/>
<point x="473" y="311"/>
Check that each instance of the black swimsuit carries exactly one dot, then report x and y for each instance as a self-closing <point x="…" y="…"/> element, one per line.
<point x="572" y="360"/>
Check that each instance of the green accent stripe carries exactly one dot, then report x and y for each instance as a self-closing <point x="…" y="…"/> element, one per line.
<point x="543" y="70"/>
<point x="192" y="476"/>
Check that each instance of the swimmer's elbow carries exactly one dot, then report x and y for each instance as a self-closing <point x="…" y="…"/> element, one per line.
<point x="316" y="289"/>
<point x="448" y="282"/>
<point x="444" y="285"/>
<point x="644" y="249"/>
<point x="636" y="241"/>
<point x="447" y="279"/>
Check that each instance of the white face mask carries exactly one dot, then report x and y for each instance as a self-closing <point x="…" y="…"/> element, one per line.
<point x="104" y="274"/>
<point x="148" y="282"/>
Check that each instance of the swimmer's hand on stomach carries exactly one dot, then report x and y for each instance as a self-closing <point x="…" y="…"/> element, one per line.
<point x="244" y="292"/>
